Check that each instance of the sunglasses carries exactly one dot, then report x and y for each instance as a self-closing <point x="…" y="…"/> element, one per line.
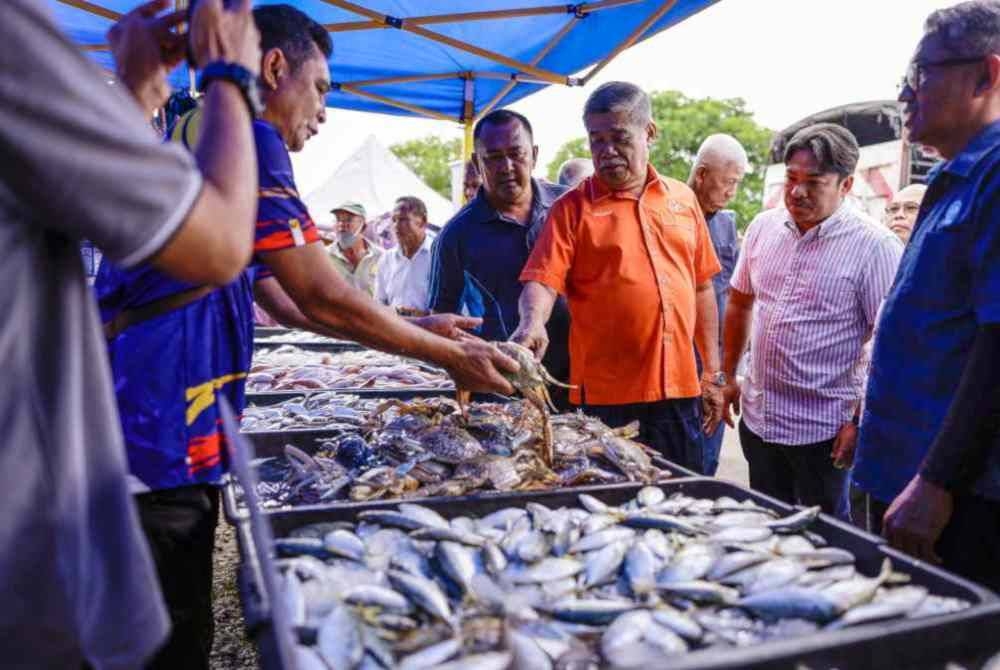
<point x="916" y="74"/>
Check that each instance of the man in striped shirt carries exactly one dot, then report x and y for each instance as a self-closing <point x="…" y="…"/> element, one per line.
<point x="811" y="278"/>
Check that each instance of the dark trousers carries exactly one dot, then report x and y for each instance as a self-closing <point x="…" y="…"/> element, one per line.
<point x="671" y="427"/>
<point x="970" y="543"/>
<point x="801" y="474"/>
<point x="180" y="527"/>
<point x="713" y="447"/>
<point x="866" y="511"/>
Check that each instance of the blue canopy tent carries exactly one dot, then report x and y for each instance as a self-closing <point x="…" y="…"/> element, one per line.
<point x="453" y="60"/>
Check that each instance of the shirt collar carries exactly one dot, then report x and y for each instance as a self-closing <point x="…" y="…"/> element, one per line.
<point x="339" y="253"/>
<point x="975" y="151"/>
<point x="598" y="191"/>
<point x="825" y="227"/>
<point x="483" y="212"/>
<point x="424" y="246"/>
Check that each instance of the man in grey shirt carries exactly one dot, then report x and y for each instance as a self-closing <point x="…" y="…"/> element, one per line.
<point x="76" y="581"/>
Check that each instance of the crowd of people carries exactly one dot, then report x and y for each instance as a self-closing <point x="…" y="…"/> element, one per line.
<point x="869" y="348"/>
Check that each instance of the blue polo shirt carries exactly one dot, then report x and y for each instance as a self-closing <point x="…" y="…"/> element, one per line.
<point x="722" y="230"/>
<point x="948" y="284"/>
<point x="477" y="259"/>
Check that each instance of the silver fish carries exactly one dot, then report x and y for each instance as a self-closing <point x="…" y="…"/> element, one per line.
<point x="458" y="562"/>
<point x="795" y="522"/>
<point x="339" y="639"/>
<point x="431" y="656"/>
<point x="391" y="518"/>
<point x="640" y="569"/>
<point x="535" y="546"/>
<point x="293" y="599"/>
<point x="734" y="562"/>
<point x="603" y="564"/>
<point x="645" y="519"/>
<point x="494" y="559"/>
<point x="678" y="622"/>
<point x="550" y="569"/>
<point x="741" y="534"/>
<point x="448" y="535"/>
<point x="307" y="658"/>
<point x="858" y="590"/>
<point x="665" y="639"/>
<point x="425" y="515"/>
<point x="624" y="631"/>
<point x="775" y="574"/>
<point x="491" y="660"/>
<point x="650" y="496"/>
<point x="894" y="604"/>
<point x="701" y="591"/>
<point x="794" y="545"/>
<point x="503" y="519"/>
<point x="527" y="653"/>
<point x="590" y="611"/>
<point x="602" y="539"/>
<point x="378" y="596"/>
<point x="344" y="543"/>
<point x="592" y="504"/>
<point x="424" y="593"/>
<point x="791" y="602"/>
<point x="690" y="563"/>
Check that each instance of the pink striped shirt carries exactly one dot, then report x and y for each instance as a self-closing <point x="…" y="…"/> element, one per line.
<point x="816" y="297"/>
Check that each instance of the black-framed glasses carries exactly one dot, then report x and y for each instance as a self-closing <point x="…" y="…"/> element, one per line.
<point x="916" y="74"/>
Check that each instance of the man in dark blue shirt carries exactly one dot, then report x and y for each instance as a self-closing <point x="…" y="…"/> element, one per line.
<point x="716" y="175"/>
<point x="929" y="434"/>
<point x="480" y="252"/>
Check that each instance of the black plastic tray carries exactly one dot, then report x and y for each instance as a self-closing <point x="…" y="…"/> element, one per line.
<point x="968" y="636"/>
<point x="327" y="347"/>
<point x="268" y="331"/>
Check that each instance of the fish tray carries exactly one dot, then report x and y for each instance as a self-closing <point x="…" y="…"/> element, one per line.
<point x="269" y="331"/>
<point x="263" y="398"/>
<point x="321" y="347"/>
<point x="969" y="636"/>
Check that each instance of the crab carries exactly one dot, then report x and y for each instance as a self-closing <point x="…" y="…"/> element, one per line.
<point x="531" y="381"/>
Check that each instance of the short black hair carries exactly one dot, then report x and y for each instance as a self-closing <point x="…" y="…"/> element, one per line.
<point x="835" y="147"/>
<point x="292" y="31"/>
<point x="414" y="204"/>
<point x="501" y="117"/>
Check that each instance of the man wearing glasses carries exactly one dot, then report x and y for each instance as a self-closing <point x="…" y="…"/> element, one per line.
<point x="901" y="212"/>
<point x="928" y="445"/>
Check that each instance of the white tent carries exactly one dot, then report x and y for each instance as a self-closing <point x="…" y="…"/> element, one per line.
<point x="375" y="177"/>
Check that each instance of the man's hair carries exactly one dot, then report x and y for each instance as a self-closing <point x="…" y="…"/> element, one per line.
<point x="835" y="148"/>
<point x="620" y="97"/>
<point x="575" y="170"/>
<point x="414" y="204"/>
<point x="967" y="29"/>
<point x="501" y="117"/>
<point x="721" y="148"/>
<point x="293" y="32"/>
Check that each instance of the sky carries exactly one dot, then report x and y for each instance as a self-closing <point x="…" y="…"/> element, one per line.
<point x="786" y="58"/>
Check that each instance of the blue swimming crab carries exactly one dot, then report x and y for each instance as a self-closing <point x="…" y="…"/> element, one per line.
<point x="531" y="381"/>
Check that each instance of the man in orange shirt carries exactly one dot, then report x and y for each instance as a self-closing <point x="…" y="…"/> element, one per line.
<point x="631" y="252"/>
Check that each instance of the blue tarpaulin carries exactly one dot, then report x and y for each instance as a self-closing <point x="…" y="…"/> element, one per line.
<point x="448" y="59"/>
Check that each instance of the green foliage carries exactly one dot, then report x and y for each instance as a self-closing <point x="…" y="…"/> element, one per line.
<point x="429" y="157"/>
<point x="573" y="149"/>
<point x="683" y="123"/>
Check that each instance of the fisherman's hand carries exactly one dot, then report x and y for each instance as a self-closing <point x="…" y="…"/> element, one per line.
<point x="843" y="446"/>
<point x="477" y="366"/>
<point x="533" y="336"/>
<point x="730" y="402"/>
<point x="225" y="34"/>
<point x="146" y="47"/>
<point x="712" y="402"/>
<point x="916" y="518"/>
<point x="452" y="326"/>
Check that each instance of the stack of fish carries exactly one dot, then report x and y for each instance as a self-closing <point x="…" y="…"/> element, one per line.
<point x="323" y="410"/>
<point x="427" y="447"/>
<point x="302" y="336"/>
<point x="587" y="587"/>
<point x="289" y="368"/>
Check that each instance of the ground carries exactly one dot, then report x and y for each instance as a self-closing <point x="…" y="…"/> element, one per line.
<point x="232" y="650"/>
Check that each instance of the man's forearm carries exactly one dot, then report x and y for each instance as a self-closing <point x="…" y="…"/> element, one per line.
<point x="736" y="332"/>
<point x="706" y="329"/>
<point x="535" y="304"/>
<point x="961" y="446"/>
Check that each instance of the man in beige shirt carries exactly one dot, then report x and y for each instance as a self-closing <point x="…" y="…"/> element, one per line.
<point x="355" y="257"/>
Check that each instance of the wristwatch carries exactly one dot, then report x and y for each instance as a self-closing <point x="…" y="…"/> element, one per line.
<point x="238" y="75"/>
<point x="717" y="378"/>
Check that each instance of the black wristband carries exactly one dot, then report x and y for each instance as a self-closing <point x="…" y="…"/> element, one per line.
<point x="236" y="74"/>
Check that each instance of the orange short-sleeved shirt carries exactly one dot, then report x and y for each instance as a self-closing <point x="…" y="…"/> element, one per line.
<point x="628" y="267"/>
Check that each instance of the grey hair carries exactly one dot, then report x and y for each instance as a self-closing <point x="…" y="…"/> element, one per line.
<point x="575" y="170"/>
<point x="968" y="28"/>
<point x="620" y="97"/>
<point x="721" y="148"/>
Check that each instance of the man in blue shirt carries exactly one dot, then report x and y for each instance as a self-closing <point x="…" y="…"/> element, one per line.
<point x="715" y="178"/>
<point x="929" y="441"/>
<point x="480" y="252"/>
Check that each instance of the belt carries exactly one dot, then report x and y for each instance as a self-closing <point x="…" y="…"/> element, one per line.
<point x="130" y="317"/>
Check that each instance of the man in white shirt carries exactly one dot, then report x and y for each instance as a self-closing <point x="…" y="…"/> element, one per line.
<point x="404" y="272"/>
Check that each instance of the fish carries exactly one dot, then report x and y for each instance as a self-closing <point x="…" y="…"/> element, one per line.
<point x="457" y="562"/>
<point x="640" y="569"/>
<point x="791" y="602"/>
<point x="424" y="593"/>
<point x="795" y="522"/>
<point x="601" y="539"/>
<point x="700" y="591"/>
<point x="602" y="565"/>
<point x="344" y="543"/>
<point x="589" y="610"/>
<point x="377" y="596"/>
<point x="432" y="656"/>
<point x="691" y="563"/>
<point x="666" y="522"/>
<point x="550" y="569"/>
<point x="339" y="639"/>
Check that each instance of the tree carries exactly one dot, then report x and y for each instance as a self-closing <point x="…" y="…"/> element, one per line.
<point x="683" y="123"/>
<point x="573" y="149"/>
<point x="429" y="158"/>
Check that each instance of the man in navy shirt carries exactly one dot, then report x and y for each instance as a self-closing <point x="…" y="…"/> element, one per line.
<point x="480" y="252"/>
<point x="715" y="178"/>
<point x="928" y="445"/>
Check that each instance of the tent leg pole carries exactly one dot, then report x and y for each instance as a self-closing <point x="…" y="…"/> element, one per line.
<point x="467" y="140"/>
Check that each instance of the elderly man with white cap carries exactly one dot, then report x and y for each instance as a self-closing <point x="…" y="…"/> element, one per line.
<point x="716" y="175"/>
<point x="356" y="259"/>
